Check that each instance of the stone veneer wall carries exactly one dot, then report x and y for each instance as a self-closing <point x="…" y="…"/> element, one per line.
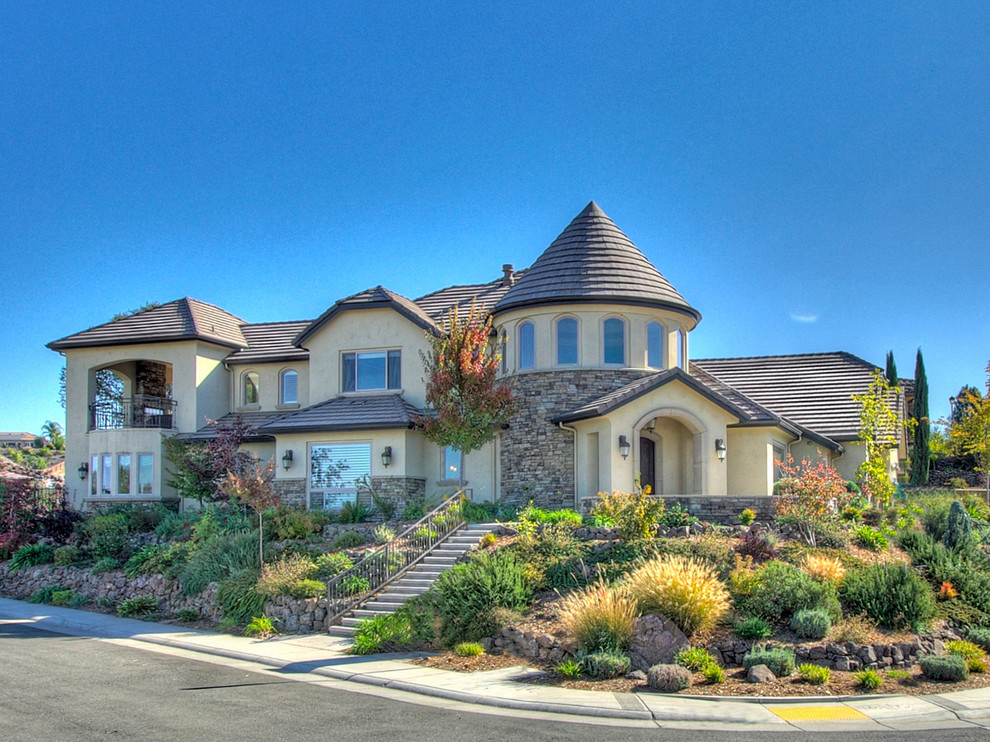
<point x="723" y="509"/>
<point x="149" y="379"/>
<point x="400" y="490"/>
<point x="537" y="456"/>
<point x="291" y="491"/>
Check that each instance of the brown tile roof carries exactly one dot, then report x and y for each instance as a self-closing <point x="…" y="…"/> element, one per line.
<point x="592" y="261"/>
<point x="812" y="390"/>
<point x="347" y="413"/>
<point x="373" y="298"/>
<point x="182" y="319"/>
<point x="253" y="420"/>
<point x="271" y="342"/>
<point x="486" y="295"/>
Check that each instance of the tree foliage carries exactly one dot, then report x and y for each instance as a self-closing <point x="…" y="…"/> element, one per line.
<point x="878" y="429"/>
<point x="970" y="433"/>
<point x="252" y="486"/>
<point x="470" y="403"/>
<point x="920" y="454"/>
<point x="53" y="432"/>
<point x="198" y="468"/>
<point x="891" y="372"/>
<point x="810" y="494"/>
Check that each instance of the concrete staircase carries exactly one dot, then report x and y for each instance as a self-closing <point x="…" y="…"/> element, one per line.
<point x="417" y="580"/>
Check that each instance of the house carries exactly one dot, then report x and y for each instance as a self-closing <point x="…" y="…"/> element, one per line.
<point x="596" y="342"/>
<point x="19" y="440"/>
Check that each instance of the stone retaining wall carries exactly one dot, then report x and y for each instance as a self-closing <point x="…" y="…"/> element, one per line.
<point x="723" y="509"/>
<point x="846" y="656"/>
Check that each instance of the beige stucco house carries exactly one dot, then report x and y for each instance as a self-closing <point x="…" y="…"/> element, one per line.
<point x="596" y="342"/>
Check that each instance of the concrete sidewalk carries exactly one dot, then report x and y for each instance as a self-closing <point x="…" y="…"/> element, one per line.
<point x="324" y="655"/>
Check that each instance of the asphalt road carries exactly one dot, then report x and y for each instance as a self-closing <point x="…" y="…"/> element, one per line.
<point x="55" y="687"/>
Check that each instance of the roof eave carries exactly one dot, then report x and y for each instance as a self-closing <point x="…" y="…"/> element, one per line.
<point x="326" y="428"/>
<point x="66" y="344"/>
<point x="337" y="308"/>
<point x="614" y="300"/>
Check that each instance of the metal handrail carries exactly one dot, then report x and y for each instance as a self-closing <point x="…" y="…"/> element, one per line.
<point x="352" y="587"/>
<point x="133" y="412"/>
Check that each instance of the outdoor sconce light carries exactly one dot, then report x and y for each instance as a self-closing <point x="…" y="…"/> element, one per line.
<point x="651" y="425"/>
<point x="83" y="470"/>
<point x="624" y="446"/>
<point x="287" y="459"/>
<point x="387" y="456"/>
<point x="720" y="449"/>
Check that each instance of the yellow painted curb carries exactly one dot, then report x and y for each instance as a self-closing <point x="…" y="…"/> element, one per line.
<point x="817" y="713"/>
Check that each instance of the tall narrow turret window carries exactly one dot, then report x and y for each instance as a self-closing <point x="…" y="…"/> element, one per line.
<point x="527" y="345"/>
<point x="567" y="341"/>
<point x="654" y="345"/>
<point x="614" y="335"/>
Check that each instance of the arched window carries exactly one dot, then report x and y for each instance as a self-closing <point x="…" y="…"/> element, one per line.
<point x="503" y="346"/>
<point x="527" y="345"/>
<point x="249" y="389"/>
<point x="289" y="387"/>
<point x="680" y="348"/>
<point x="654" y="345"/>
<point x="614" y="340"/>
<point x="567" y="341"/>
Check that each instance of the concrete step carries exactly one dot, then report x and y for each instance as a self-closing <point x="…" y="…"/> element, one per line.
<point x="345" y="631"/>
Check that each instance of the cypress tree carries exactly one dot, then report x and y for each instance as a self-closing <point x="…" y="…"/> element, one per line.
<point x="891" y="373"/>
<point x="920" y="457"/>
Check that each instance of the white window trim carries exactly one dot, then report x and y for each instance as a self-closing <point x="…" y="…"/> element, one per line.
<point x="444" y="479"/>
<point x="310" y="490"/>
<point x="369" y="351"/>
<point x="281" y="389"/>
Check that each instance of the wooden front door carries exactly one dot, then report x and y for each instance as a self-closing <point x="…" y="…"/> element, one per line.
<point x="647" y="464"/>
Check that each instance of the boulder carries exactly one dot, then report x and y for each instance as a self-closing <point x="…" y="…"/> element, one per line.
<point x="760" y="674"/>
<point x="655" y="642"/>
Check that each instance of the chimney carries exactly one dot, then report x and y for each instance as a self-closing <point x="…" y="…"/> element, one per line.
<point x="507" y="275"/>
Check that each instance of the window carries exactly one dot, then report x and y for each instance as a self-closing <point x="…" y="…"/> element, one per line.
<point x="654" y="345"/>
<point x="451" y="464"/>
<point x="680" y="348"/>
<point x="502" y="347"/>
<point x="290" y="387"/>
<point x="779" y="457"/>
<point x="527" y="345"/>
<point x="334" y="470"/>
<point x="614" y="340"/>
<point x="123" y="474"/>
<point x="106" y="474"/>
<point x="250" y="395"/>
<point x="364" y="372"/>
<point x="94" y="475"/>
<point x="567" y="341"/>
<point x="145" y="473"/>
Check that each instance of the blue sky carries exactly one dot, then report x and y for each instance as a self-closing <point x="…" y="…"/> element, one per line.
<point x="811" y="176"/>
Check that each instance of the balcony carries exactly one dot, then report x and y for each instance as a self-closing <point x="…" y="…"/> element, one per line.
<point x="132" y="412"/>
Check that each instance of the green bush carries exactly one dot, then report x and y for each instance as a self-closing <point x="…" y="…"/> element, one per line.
<point x="608" y="664"/>
<point x="675" y="516"/>
<point x="307" y="589"/>
<point x="965" y="567"/>
<point x="261" y="626"/>
<point x="238" y="598"/>
<point x="469" y="649"/>
<point x="636" y="515"/>
<point x="811" y="624"/>
<point x="778" y="590"/>
<point x="534" y="514"/>
<point x="44" y="595"/>
<point x="108" y="535"/>
<point x="814" y="674"/>
<point x="695" y="659"/>
<point x="780" y="661"/>
<point x="959" y="526"/>
<point x="63" y="597"/>
<point x="106" y="564"/>
<point x="331" y="564"/>
<point x="981" y="637"/>
<point x="479" y="512"/>
<point x="354" y="512"/>
<point x="713" y="673"/>
<point x="66" y="555"/>
<point x="753" y="627"/>
<point x="31" y="555"/>
<point x="348" y="540"/>
<point x="747" y="516"/>
<point x="893" y="595"/>
<point x="962" y="648"/>
<point x="944" y="667"/>
<point x="187" y="615"/>
<point x="390" y="632"/>
<point x="668" y="678"/>
<point x="383" y="534"/>
<point x="355" y="585"/>
<point x="284" y="522"/>
<point x="569" y="669"/>
<point x="139" y="605"/>
<point x="219" y="558"/>
<point x="869" y="680"/>
<point x="143" y="559"/>
<point x="870" y="538"/>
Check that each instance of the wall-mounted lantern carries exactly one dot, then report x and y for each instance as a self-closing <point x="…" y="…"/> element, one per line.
<point x="624" y="446"/>
<point x="720" y="449"/>
<point x="651" y="426"/>
<point x="387" y="456"/>
<point x="83" y="470"/>
<point x="287" y="459"/>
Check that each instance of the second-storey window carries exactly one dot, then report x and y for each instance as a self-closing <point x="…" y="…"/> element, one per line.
<point x="249" y="392"/>
<point x="527" y="345"/>
<point x="363" y="372"/>
<point x="614" y="340"/>
<point x="567" y="341"/>
<point x="290" y="387"/>
<point x="654" y="345"/>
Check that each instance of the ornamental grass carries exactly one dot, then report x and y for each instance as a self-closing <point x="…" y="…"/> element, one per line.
<point x="686" y="591"/>
<point x="599" y="618"/>
<point x="824" y="568"/>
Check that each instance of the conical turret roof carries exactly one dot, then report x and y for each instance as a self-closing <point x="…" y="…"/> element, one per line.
<point x="592" y="261"/>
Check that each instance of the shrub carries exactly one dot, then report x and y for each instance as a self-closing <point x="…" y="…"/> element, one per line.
<point x="219" y="558"/>
<point x="668" y="678"/>
<point x="809" y="494"/>
<point x="467" y="594"/>
<point x="383" y="534"/>
<point x="469" y="649"/>
<point x="713" y="673"/>
<point x="285" y="522"/>
<point x="237" y="597"/>
<point x="753" y="627"/>
<point x="757" y="545"/>
<point x="31" y="555"/>
<point x="780" y="661"/>
<point x="260" y="626"/>
<point x="778" y="590"/>
<point x="108" y="534"/>
<point x="569" y="669"/>
<point x="599" y="618"/>
<point x="686" y="591"/>
<point x="944" y="667"/>
<point x="869" y="680"/>
<point x="355" y="585"/>
<point x="747" y="516"/>
<point x="44" y="594"/>
<point x="278" y="576"/>
<point x="58" y="525"/>
<point x="962" y="648"/>
<point x="106" y="564"/>
<point x="348" y="540"/>
<point x="823" y="568"/>
<point x="857" y="629"/>
<point x="695" y="659"/>
<point x="63" y="597"/>
<point x="354" y="512"/>
<point x="331" y="564"/>
<point x="851" y="513"/>
<point x="811" y="623"/>
<point x="977" y="664"/>
<point x="306" y="589"/>
<point x="66" y="555"/>
<point x="893" y="595"/>
<point x="980" y="637"/>
<point x="636" y="515"/>
<point x="605" y="664"/>
<point x="187" y="615"/>
<point x="140" y="605"/>
<point x="898" y="674"/>
<point x="489" y="539"/>
<point x="382" y="633"/>
<point x="144" y="560"/>
<point x="959" y="526"/>
<point x="870" y="538"/>
<point x="539" y="515"/>
<point x="814" y="674"/>
<point x="675" y="517"/>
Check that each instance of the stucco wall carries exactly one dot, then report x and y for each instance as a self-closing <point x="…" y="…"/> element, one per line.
<point x="269" y="386"/>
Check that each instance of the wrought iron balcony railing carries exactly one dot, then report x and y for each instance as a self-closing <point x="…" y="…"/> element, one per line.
<point x="132" y="412"/>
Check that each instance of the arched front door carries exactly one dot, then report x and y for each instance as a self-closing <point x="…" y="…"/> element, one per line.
<point x="647" y="463"/>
